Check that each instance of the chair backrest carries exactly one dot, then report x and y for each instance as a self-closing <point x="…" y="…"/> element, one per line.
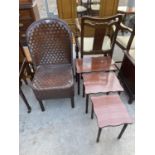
<point x="50" y="42"/>
<point x="108" y="8"/>
<point x="103" y="28"/>
<point x="67" y="11"/>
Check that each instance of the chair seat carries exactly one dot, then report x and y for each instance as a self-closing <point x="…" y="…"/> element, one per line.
<point x="88" y="43"/>
<point x="92" y="63"/>
<point x="101" y="82"/>
<point x="54" y="79"/>
<point x="81" y="8"/>
<point x="123" y="40"/>
<point x="95" y="7"/>
<point x="110" y="111"/>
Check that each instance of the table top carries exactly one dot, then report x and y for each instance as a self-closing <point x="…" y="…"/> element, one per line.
<point x="110" y="111"/>
<point x="101" y="82"/>
<point x="94" y="63"/>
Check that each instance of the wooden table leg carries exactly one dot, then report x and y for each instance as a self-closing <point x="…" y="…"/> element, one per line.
<point x="87" y="99"/>
<point x="122" y="131"/>
<point x="98" y="135"/>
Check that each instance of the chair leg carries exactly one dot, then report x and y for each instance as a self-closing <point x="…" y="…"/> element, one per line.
<point x="122" y="131"/>
<point x="83" y="90"/>
<point x="87" y="99"/>
<point x="98" y="135"/>
<point x="77" y="50"/>
<point x="78" y="81"/>
<point x="92" y="112"/>
<point x="41" y="105"/>
<point x="72" y="102"/>
<point x="25" y="100"/>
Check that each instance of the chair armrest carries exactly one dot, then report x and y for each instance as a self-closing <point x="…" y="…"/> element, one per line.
<point x="77" y="24"/>
<point x="123" y="27"/>
<point x="27" y="54"/>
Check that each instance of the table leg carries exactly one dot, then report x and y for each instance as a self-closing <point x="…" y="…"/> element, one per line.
<point x="122" y="131"/>
<point x="87" y="99"/>
<point x="98" y="135"/>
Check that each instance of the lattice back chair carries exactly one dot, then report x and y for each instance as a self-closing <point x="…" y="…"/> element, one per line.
<point x="50" y="45"/>
<point x="101" y="44"/>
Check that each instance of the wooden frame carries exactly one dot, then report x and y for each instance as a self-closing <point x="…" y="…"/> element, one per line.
<point x="108" y="8"/>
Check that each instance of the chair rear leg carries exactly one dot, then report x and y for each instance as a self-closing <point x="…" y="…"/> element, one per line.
<point x="25" y="100"/>
<point x="122" y="131"/>
<point x="41" y="105"/>
<point x="72" y="102"/>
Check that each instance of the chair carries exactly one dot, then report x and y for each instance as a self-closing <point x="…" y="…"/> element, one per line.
<point x="126" y="42"/>
<point x="50" y="45"/>
<point x="108" y="8"/>
<point x="67" y="11"/>
<point x="110" y="111"/>
<point x="96" y="51"/>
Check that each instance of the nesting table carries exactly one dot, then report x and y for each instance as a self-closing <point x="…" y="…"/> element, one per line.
<point x="110" y="111"/>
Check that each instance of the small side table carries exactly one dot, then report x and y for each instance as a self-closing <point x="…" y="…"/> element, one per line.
<point x="100" y="82"/>
<point x="110" y="111"/>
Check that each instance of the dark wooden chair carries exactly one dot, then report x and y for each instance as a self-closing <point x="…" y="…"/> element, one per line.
<point x="94" y="52"/>
<point x="127" y="69"/>
<point x="110" y="112"/>
<point x="50" y="45"/>
<point x="21" y="71"/>
<point x="126" y="42"/>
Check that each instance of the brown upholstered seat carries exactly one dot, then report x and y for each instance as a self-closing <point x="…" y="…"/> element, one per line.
<point x="50" y="45"/>
<point x="110" y="111"/>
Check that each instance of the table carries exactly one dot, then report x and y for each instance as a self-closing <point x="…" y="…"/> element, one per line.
<point x="110" y="111"/>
